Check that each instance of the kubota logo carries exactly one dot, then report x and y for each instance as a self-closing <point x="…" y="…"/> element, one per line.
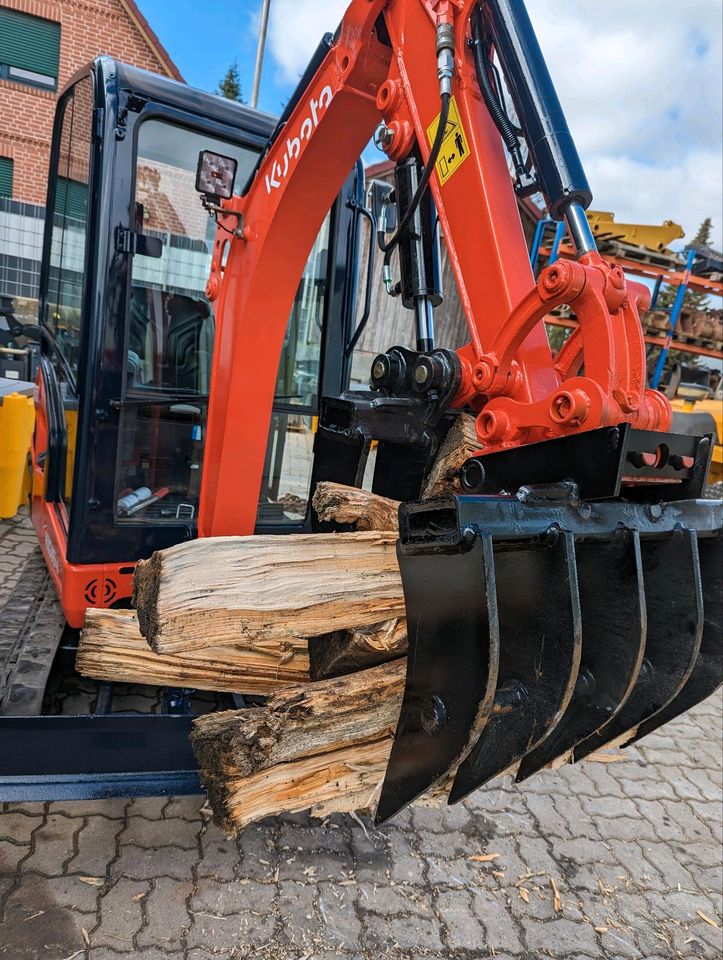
<point x="280" y="169"/>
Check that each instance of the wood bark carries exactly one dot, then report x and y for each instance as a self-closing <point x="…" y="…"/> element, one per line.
<point x="342" y="504"/>
<point x="459" y="445"/>
<point x="112" y="648"/>
<point x="322" y="746"/>
<point x="261" y="590"/>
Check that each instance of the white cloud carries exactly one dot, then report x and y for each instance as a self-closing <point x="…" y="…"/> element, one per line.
<point x="640" y="82"/>
<point x="295" y="29"/>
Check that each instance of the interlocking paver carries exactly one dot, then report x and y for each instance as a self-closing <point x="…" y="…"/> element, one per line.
<point x="96" y="845"/>
<point x="634" y="848"/>
<point x="139" y="863"/>
<point x="121" y="916"/>
<point x="166" y="915"/>
<point x="161" y="833"/>
<point x="54" y="845"/>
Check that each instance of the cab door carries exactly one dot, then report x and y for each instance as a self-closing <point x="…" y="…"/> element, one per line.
<point x="62" y="311"/>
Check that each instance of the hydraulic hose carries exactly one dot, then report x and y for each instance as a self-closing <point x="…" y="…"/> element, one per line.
<point x="387" y="246"/>
<point x="493" y="104"/>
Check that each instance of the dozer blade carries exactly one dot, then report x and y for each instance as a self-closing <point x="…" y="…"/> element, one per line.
<point x="540" y="648"/>
<point x="452" y="666"/>
<point x="707" y="674"/>
<point x="612" y="602"/>
<point x="674" y="603"/>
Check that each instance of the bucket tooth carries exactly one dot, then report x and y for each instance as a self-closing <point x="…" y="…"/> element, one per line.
<point x="674" y="604"/>
<point x="540" y="647"/>
<point x="707" y="674"/>
<point x="612" y="603"/>
<point x="452" y="667"/>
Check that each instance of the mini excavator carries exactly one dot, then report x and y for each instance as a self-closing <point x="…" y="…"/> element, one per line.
<point x="570" y="596"/>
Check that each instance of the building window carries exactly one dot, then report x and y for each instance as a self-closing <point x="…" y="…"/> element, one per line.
<point x="29" y="49"/>
<point x="6" y="177"/>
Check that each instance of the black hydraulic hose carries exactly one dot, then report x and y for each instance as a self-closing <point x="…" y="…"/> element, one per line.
<point x="368" y="292"/>
<point x="389" y="245"/>
<point x="494" y="106"/>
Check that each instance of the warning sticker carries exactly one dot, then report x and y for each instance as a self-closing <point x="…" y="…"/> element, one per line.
<point x="455" y="148"/>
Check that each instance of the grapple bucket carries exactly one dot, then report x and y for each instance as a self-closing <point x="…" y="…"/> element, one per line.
<point x="542" y="627"/>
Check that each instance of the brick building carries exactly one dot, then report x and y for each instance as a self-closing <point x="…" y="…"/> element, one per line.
<point x="42" y="44"/>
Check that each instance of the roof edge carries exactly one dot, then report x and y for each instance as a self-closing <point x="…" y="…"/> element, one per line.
<point x="151" y="38"/>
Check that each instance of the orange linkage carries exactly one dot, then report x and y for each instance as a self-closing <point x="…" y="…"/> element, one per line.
<point x="608" y="343"/>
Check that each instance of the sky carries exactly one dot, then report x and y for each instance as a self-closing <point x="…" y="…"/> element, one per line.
<point x="639" y="80"/>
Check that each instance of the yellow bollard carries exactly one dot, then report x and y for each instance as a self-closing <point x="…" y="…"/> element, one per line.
<point x="17" y="418"/>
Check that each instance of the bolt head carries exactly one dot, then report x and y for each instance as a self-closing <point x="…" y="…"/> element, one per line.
<point x="422" y="374"/>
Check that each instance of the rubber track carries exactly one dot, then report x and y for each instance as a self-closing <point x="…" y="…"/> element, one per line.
<point x="31" y="625"/>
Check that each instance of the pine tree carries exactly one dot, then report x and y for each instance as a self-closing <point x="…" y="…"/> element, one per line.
<point x="694" y="299"/>
<point x="230" y="86"/>
<point x="705" y="231"/>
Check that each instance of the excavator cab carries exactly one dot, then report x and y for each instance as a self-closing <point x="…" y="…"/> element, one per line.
<point x="127" y="331"/>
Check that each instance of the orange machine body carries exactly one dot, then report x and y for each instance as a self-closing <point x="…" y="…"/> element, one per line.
<point x="508" y="371"/>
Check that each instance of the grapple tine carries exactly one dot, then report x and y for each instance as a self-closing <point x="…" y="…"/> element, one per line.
<point x="540" y="646"/>
<point x="707" y="674"/>
<point x="612" y="602"/>
<point x="674" y="604"/>
<point x="452" y="667"/>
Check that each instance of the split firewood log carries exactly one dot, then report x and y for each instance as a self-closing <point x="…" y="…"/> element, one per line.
<point x="322" y="746"/>
<point x="240" y="590"/>
<point x="343" y="504"/>
<point x="111" y="647"/>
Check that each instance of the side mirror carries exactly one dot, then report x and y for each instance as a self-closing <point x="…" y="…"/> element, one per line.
<point x="383" y="207"/>
<point x="215" y="175"/>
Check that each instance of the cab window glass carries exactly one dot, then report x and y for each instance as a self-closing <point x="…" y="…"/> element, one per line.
<point x="68" y="236"/>
<point x="65" y="281"/>
<point x="290" y="449"/>
<point x="170" y="329"/>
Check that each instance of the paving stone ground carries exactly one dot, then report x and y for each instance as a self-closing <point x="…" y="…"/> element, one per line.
<point x="631" y="848"/>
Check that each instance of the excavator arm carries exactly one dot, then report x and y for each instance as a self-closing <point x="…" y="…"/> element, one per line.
<point x="383" y="65"/>
<point x="541" y="620"/>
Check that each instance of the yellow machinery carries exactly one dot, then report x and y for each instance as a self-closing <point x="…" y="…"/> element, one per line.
<point x="641" y="234"/>
<point x="713" y="406"/>
<point x="17" y="418"/>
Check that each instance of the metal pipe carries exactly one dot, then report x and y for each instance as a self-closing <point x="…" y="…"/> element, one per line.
<point x="579" y="227"/>
<point x="424" y="321"/>
<point x="260" y="52"/>
<point x="555" y="248"/>
<point x="674" y="315"/>
<point x="537" y="242"/>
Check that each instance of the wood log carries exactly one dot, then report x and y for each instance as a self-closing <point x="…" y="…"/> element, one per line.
<point x="342" y="504"/>
<point x="459" y="445"/>
<point x="242" y="590"/>
<point x="344" y="651"/>
<point x="323" y="746"/>
<point x="112" y="648"/>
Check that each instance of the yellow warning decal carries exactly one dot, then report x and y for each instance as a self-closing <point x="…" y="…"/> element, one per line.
<point x="455" y="148"/>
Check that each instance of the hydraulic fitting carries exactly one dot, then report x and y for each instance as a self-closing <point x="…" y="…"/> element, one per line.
<point x="445" y="57"/>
